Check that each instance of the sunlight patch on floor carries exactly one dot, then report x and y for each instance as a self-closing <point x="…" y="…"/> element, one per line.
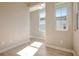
<point x="36" y="44"/>
<point x="30" y="50"/>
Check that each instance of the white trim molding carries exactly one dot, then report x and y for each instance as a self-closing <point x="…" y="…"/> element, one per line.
<point x="58" y="48"/>
<point x="62" y="49"/>
<point x="13" y="46"/>
<point x="36" y="37"/>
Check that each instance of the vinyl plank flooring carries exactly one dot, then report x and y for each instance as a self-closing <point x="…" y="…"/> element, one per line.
<point x="48" y="51"/>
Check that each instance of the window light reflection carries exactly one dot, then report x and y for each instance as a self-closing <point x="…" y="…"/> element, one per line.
<point x="36" y="44"/>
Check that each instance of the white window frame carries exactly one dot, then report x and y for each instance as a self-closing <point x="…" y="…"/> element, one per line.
<point x="77" y="21"/>
<point x="40" y="19"/>
<point x="61" y="5"/>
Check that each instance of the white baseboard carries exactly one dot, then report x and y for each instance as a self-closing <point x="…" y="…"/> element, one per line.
<point x="13" y="46"/>
<point x="58" y="48"/>
<point x="62" y="49"/>
<point x="36" y="37"/>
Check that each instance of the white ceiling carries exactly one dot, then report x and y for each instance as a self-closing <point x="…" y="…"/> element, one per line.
<point x="30" y="4"/>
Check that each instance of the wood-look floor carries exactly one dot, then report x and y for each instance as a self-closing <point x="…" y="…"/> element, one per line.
<point x="49" y="51"/>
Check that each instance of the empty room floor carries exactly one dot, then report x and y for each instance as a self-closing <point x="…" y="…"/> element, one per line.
<point x="46" y="50"/>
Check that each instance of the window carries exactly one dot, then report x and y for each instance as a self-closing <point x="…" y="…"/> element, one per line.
<point x="77" y="15"/>
<point x="61" y="18"/>
<point x="42" y="20"/>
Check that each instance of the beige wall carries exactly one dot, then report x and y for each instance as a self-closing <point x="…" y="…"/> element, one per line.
<point x="75" y="32"/>
<point x="14" y="24"/>
<point x="56" y="38"/>
<point x="76" y="42"/>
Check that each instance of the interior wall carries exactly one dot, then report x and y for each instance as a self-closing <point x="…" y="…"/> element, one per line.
<point x="76" y="42"/>
<point x="75" y="32"/>
<point x="62" y="39"/>
<point x="14" y="24"/>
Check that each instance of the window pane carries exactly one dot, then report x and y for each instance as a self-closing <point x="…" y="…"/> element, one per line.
<point x="61" y="11"/>
<point x="77" y="15"/>
<point x="61" y="18"/>
<point x="61" y="23"/>
<point x="42" y="27"/>
<point x="42" y="13"/>
<point x="64" y="11"/>
<point x="58" y="12"/>
<point x="42" y="21"/>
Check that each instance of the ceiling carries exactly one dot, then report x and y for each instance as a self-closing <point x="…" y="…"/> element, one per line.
<point x="30" y="4"/>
